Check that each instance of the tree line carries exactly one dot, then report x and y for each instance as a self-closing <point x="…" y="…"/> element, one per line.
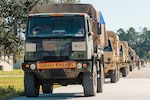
<point x="139" y="41"/>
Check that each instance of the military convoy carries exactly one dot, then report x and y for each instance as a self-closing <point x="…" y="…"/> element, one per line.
<point x="68" y="44"/>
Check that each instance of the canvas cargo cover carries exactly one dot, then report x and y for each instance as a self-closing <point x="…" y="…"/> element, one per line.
<point x="126" y="46"/>
<point x="115" y="40"/>
<point x="123" y="44"/>
<point x="125" y="49"/>
<point x="132" y="51"/>
<point x="103" y="38"/>
<point x="113" y="35"/>
<point x="77" y="8"/>
<point x="65" y="8"/>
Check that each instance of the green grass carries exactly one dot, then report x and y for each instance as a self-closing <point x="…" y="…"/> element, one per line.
<point x="16" y="72"/>
<point x="17" y="82"/>
<point x="9" y="92"/>
<point x="12" y="85"/>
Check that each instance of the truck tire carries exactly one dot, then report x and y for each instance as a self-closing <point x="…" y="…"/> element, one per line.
<point x="113" y="76"/>
<point x="31" y="85"/>
<point x="100" y="80"/>
<point x="124" y="72"/>
<point x="90" y="83"/>
<point x="47" y="87"/>
<point x="131" y="68"/>
<point x="118" y="72"/>
<point x="127" y="69"/>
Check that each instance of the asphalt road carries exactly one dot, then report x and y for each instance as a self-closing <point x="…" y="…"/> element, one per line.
<point x="136" y="86"/>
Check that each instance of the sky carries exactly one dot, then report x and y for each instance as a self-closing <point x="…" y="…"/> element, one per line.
<point x="123" y="13"/>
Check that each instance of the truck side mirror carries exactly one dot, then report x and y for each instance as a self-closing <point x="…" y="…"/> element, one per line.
<point x="90" y="34"/>
<point x="98" y="28"/>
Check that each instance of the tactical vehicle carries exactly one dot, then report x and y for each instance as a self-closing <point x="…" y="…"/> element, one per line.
<point x="124" y="59"/>
<point x="132" y="58"/>
<point x="64" y="45"/>
<point x="111" y="57"/>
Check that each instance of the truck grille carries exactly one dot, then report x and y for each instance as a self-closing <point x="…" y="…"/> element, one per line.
<point x="60" y="73"/>
<point x="55" y="58"/>
<point x="57" y="73"/>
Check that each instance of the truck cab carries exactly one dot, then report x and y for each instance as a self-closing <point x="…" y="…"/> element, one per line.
<point x="58" y="37"/>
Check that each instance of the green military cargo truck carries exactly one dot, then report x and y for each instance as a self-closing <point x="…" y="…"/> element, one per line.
<point x="64" y="45"/>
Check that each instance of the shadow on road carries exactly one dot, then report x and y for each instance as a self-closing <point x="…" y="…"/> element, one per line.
<point x="58" y="96"/>
<point x="53" y="96"/>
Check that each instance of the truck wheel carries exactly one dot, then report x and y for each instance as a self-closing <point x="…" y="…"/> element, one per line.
<point x="113" y="76"/>
<point x="90" y="83"/>
<point x="124" y="72"/>
<point x="47" y="87"/>
<point x="131" y="68"/>
<point x="127" y="69"/>
<point x="100" y="80"/>
<point x="31" y="85"/>
<point x="118" y="72"/>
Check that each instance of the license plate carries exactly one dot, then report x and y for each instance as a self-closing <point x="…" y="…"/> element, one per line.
<point x="56" y="65"/>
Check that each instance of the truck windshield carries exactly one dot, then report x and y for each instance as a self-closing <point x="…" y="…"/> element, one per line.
<point x="121" y="51"/>
<point x="73" y="26"/>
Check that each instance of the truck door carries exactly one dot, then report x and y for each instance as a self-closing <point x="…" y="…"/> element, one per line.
<point x="90" y="39"/>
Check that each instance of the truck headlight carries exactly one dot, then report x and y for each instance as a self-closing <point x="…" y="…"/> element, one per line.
<point x="32" y="66"/>
<point x="79" y="65"/>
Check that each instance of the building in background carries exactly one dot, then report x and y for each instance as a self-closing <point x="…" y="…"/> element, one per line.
<point x="6" y="63"/>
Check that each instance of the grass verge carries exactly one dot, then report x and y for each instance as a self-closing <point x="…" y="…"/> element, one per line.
<point x="15" y="72"/>
<point x="9" y="92"/>
<point x="12" y="85"/>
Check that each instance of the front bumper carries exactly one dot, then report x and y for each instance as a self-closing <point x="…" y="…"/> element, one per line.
<point x="57" y="73"/>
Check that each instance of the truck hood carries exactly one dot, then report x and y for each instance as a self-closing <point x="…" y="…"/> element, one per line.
<point x="48" y="50"/>
<point x="52" y="49"/>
